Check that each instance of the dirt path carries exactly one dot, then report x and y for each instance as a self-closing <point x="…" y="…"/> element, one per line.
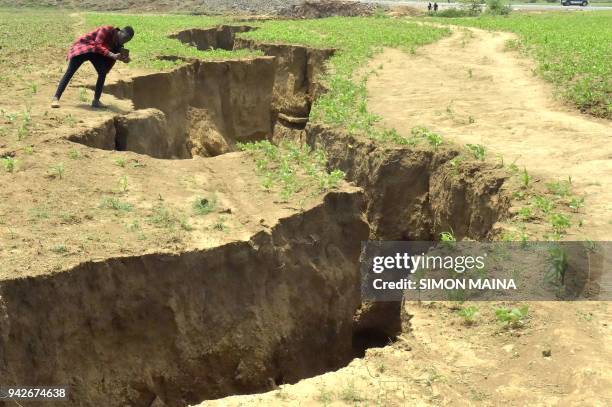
<point x="472" y="90"/>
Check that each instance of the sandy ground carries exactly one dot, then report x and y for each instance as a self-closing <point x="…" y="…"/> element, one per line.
<point x="444" y="362"/>
<point x="470" y="89"/>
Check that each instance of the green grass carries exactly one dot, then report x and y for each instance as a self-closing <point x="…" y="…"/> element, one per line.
<point x="26" y="34"/>
<point x="572" y="50"/>
<point x="151" y="39"/>
<point x="357" y="40"/>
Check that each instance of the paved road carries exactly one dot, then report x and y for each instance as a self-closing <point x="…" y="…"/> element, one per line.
<point x="443" y="5"/>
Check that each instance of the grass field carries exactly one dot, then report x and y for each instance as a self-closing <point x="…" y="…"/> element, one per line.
<point x="573" y="51"/>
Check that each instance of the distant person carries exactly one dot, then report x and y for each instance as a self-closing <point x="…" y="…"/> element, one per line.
<point x="435" y="7"/>
<point x="429" y="7"/>
<point x="102" y="48"/>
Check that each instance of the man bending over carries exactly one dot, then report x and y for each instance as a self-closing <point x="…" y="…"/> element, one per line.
<point x="102" y="48"/>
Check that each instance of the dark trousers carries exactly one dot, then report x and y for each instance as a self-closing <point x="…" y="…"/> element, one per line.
<point x="101" y="63"/>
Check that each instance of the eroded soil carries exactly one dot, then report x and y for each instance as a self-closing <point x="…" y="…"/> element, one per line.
<point x="470" y="89"/>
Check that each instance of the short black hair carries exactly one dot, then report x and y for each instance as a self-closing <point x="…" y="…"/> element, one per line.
<point x="129" y="31"/>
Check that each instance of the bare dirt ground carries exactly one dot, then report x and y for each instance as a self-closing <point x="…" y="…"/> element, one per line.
<point x="470" y="89"/>
<point x="444" y="362"/>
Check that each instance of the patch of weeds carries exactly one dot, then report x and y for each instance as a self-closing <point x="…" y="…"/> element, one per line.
<point x="478" y="151"/>
<point x="560" y="223"/>
<point x="59" y="249"/>
<point x="543" y="203"/>
<point x="29" y="150"/>
<point x="434" y="139"/>
<point x="576" y="203"/>
<point x="220" y="225"/>
<point x="469" y="314"/>
<point x="41" y="212"/>
<point x="74" y="154"/>
<point x="512" y="317"/>
<point x="324" y="395"/>
<point x="83" y="95"/>
<point x="204" y="206"/>
<point x="162" y="217"/>
<point x="121" y="162"/>
<point x="116" y="204"/>
<point x="349" y="393"/>
<point x="9" y="164"/>
<point x="455" y="163"/>
<point x="560" y="188"/>
<point x="186" y="226"/>
<point x="526" y="213"/>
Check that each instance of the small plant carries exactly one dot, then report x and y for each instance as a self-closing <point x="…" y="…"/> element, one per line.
<point x="448" y="239"/>
<point x="434" y="139"/>
<point x="115" y="204"/>
<point x="469" y="314"/>
<point x="28" y="150"/>
<point x="186" y="226"/>
<point x="456" y="164"/>
<point x="204" y="206"/>
<point x="576" y="203"/>
<point x="514" y="317"/>
<point x="478" y="151"/>
<point x="557" y="266"/>
<point x="162" y="216"/>
<point x="560" y="188"/>
<point x="544" y="204"/>
<point x="349" y="393"/>
<point x="560" y="223"/>
<point x="123" y="183"/>
<point x="34" y="87"/>
<point x="74" y="154"/>
<point x="526" y="213"/>
<point x="526" y="178"/>
<point x="220" y="225"/>
<point x="9" y="164"/>
<point x="121" y="162"/>
<point x="59" y="249"/>
<point x="83" y="95"/>
<point x="58" y="170"/>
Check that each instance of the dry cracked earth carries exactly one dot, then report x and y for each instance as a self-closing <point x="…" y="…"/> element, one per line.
<point x="261" y="294"/>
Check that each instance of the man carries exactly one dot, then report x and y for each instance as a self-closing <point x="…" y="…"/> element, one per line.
<point x="102" y="48"/>
<point x="435" y="7"/>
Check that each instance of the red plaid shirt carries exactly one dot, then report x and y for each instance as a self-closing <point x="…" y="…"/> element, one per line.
<point x="101" y="41"/>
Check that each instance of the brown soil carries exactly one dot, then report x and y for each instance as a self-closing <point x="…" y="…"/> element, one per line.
<point x="471" y="90"/>
<point x="154" y="306"/>
<point x="328" y="8"/>
<point x="443" y="362"/>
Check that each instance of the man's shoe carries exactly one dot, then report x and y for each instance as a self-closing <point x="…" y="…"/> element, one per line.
<point x="98" y="105"/>
<point x="55" y="103"/>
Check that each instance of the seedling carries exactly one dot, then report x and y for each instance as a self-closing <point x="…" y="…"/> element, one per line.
<point x="121" y="162"/>
<point x="448" y="239"/>
<point x="74" y="154"/>
<point x="469" y="314"/>
<point x="220" y="225"/>
<point x="576" y="203"/>
<point x="83" y="95"/>
<point x="526" y="213"/>
<point x="526" y="178"/>
<point x="514" y="318"/>
<point x="544" y="204"/>
<point x="123" y="183"/>
<point x="560" y="223"/>
<point x="9" y="164"/>
<point x="58" y="170"/>
<point x="478" y="151"/>
<point x="557" y="266"/>
<point x="560" y="188"/>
